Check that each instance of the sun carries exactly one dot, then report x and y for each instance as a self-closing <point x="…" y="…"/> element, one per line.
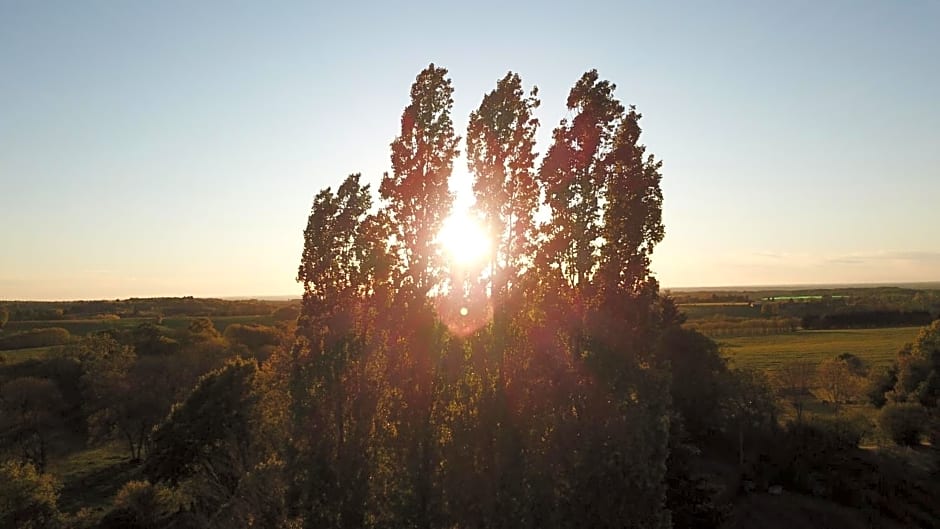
<point x="464" y="239"/>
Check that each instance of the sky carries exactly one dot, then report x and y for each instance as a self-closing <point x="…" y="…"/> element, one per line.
<point x="174" y="148"/>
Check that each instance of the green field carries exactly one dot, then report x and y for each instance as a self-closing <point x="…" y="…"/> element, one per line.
<point x="16" y="356"/>
<point x="877" y="347"/>
<point x="91" y="476"/>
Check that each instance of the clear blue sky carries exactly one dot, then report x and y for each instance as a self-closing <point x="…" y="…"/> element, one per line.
<point x="173" y="148"/>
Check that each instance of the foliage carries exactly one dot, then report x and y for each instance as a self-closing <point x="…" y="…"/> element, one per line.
<point x="749" y="407"/>
<point x="793" y="382"/>
<point x="869" y="318"/>
<point x="211" y="444"/>
<point x="143" y="504"/>
<point x="27" y="498"/>
<point x="691" y="498"/>
<point x="500" y="154"/>
<point x="252" y="336"/>
<point x="880" y="382"/>
<point x="416" y="193"/>
<point x="918" y="378"/>
<point x="903" y="422"/>
<point x="698" y="374"/>
<point x="113" y="376"/>
<point x="573" y="175"/>
<point x="399" y="415"/>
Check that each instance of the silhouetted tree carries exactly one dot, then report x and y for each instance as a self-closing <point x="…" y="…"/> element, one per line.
<point x="574" y="175"/>
<point x="632" y="219"/>
<point x="698" y="372"/>
<point x="749" y="406"/>
<point x="836" y="379"/>
<point x="919" y="369"/>
<point x="417" y="195"/>
<point x="113" y="380"/>
<point x="332" y="381"/>
<point x="501" y="156"/>
<point x="30" y="412"/>
<point x="210" y="441"/>
<point x="793" y="381"/>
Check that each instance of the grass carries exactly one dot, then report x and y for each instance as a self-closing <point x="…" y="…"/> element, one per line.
<point x="17" y="356"/>
<point x="92" y="476"/>
<point x="877" y="347"/>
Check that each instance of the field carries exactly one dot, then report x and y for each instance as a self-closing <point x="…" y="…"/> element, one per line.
<point x="15" y="356"/>
<point x="92" y="476"/>
<point x="877" y="347"/>
<point x="83" y="327"/>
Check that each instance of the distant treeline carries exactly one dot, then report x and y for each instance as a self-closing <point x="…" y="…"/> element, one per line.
<point x="868" y="318"/>
<point x="138" y="307"/>
<point x="726" y="327"/>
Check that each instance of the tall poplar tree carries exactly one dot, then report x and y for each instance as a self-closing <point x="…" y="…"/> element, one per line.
<point x="501" y="156"/>
<point x="633" y="211"/>
<point x="573" y="174"/>
<point x="333" y="395"/>
<point x="417" y="195"/>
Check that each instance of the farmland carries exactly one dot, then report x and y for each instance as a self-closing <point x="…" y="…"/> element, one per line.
<point x="877" y="347"/>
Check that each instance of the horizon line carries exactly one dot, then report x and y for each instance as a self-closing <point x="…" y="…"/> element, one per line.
<point x="701" y="288"/>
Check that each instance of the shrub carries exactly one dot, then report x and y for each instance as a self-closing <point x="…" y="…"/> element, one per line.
<point x="843" y="431"/>
<point x="144" y="503"/>
<point x="35" y="338"/>
<point x="903" y="422"/>
<point x="251" y="335"/>
<point x="27" y="498"/>
<point x="880" y="382"/>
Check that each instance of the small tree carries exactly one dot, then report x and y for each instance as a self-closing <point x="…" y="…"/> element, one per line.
<point x="880" y="382"/>
<point x="208" y="438"/>
<point x="838" y="382"/>
<point x="30" y="411"/>
<point x="749" y="405"/>
<point x="793" y="381"/>
<point x="125" y="394"/>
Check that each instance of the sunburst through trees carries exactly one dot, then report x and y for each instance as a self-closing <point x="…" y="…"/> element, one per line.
<point x="479" y="369"/>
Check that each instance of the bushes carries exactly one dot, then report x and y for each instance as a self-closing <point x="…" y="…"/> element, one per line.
<point x="27" y="498"/>
<point x="252" y="336"/>
<point x="35" y="338"/>
<point x="903" y="422"/>
<point x="818" y="438"/>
